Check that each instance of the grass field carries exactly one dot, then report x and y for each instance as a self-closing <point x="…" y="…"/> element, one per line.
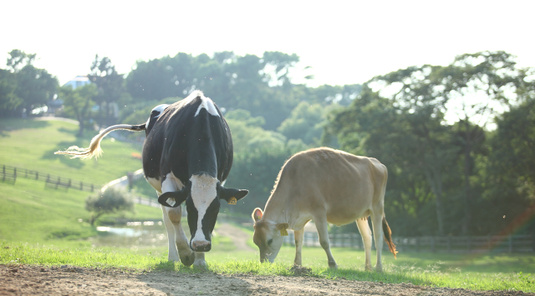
<point x="43" y="226"/>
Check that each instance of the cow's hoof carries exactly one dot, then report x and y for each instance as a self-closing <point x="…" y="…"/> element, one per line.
<point x="333" y="265"/>
<point x="188" y="259"/>
<point x="201" y="264"/>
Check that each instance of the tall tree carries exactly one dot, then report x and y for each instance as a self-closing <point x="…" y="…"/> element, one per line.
<point x="476" y="87"/>
<point x="78" y="102"/>
<point x="35" y="87"/>
<point x="10" y="103"/>
<point x="110" y="89"/>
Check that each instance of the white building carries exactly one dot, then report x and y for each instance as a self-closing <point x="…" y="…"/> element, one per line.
<point x="78" y="81"/>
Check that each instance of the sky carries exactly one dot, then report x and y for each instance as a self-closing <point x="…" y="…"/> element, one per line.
<point x="342" y="42"/>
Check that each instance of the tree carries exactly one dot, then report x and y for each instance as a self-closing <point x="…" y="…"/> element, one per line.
<point x="476" y="87"/>
<point x="10" y="103"/>
<point x="110" y="88"/>
<point x="305" y="122"/>
<point x="35" y="87"/>
<point x="78" y="102"/>
<point x="511" y="177"/>
<point x="412" y="144"/>
<point x="108" y="202"/>
<point x="18" y="59"/>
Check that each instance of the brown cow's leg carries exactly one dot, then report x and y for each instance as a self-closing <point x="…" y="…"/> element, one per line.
<point x="323" y="233"/>
<point x="365" y="233"/>
<point x="377" y="223"/>
<point x="298" y="235"/>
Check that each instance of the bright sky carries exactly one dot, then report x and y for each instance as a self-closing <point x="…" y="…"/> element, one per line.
<point x="344" y="42"/>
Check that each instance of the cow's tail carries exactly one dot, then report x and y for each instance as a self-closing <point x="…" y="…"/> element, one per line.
<point x="388" y="237"/>
<point x="94" y="146"/>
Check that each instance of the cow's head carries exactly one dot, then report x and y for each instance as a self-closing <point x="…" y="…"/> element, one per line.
<point x="202" y="196"/>
<point x="268" y="236"/>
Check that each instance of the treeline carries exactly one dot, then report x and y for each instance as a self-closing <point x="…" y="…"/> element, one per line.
<point x="458" y="140"/>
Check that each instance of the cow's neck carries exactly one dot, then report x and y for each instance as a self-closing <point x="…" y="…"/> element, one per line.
<point x="283" y="212"/>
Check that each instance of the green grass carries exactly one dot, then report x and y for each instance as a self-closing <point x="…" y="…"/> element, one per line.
<point x="43" y="226"/>
<point x="30" y="144"/>
<point x="500" y="272"/>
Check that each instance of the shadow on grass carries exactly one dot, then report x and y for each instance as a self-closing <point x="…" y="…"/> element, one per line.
<point x="9" y="125"/>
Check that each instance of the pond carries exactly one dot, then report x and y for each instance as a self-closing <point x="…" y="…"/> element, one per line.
<point x="141" y="234"/>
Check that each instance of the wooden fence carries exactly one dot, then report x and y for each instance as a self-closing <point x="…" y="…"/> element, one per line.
<point x="443" y="244"/>
<point x="10" y="174"/>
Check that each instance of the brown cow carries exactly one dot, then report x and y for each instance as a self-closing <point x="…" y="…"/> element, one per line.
<point x="327" y="186"/>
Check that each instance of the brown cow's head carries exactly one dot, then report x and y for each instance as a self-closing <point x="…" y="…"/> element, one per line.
<point x="268" y="236"/>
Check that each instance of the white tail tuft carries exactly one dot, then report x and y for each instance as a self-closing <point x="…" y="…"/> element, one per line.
<point x="94" y="147"/>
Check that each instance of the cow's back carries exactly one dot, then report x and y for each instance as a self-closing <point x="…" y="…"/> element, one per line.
<point x="341" y="185"/>
<point x="187" y="139"/>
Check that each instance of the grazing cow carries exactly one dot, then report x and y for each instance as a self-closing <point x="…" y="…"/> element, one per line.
<point x="186" y="156"/>
<point x="326" y="186"/>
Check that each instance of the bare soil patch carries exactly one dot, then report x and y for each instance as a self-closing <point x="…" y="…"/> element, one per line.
<point x="68" y="280"/>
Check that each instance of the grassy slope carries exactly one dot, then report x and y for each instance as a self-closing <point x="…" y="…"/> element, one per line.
<point x="30" y="212"/>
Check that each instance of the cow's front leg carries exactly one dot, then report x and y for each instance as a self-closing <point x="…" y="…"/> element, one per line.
<point x="323" y="233"/>
<point x="199" y="260"/>
<point x="177" y="237"/>
<point x="298" y="236"/>
<point x="170" y="229"/>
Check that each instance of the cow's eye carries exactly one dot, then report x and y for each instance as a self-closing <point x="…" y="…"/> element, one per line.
<point x="270" y="241"/>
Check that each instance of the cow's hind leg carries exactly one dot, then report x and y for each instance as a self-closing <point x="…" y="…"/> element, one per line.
<point x="323" y="233"/>
<point x="377" y="223"/>
<point x="365" y="232"/>
<point x="298" y="236"/>
<point x="177" y="237"/>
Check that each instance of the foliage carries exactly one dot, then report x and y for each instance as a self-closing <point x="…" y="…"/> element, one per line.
<point x="110" y="201"/>
<point x="110" y="88"/>
<point x="78" y="102"/>
<point x="34" y="87"/>
<point x="428" y="124"/>
<point x="9" y="101"/>
<point x="456" y="138"/>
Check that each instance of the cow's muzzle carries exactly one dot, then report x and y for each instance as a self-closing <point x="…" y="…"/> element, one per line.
<point x="201" y="246"/>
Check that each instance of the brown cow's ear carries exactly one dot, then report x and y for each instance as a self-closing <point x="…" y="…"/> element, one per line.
<point x="282" y="227"/>
<point x="257" y="214"/>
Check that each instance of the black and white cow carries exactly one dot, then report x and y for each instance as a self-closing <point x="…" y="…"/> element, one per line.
<point x="186" y="156"/>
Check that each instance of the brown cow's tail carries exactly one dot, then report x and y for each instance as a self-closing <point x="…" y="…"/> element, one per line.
<point x="388" y="237"/>
<point x="94" y="146"/>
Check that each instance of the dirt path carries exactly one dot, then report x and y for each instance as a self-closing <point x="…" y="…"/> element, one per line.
<point x="66" y="280"/>
<point x="238" y="236"/>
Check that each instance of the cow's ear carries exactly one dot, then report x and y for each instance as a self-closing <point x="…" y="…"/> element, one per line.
<point x="282" y="227"/>
<point x="175" y="197"/>
<point x="231" y="195"/>
<point x="257" y="214"/>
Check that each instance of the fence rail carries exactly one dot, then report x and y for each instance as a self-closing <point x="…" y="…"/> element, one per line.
<point x="10" y="174"/>
<point x="443" y="244"/>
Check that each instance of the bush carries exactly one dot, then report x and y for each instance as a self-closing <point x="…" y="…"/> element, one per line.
<point x="108" y="202"/>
